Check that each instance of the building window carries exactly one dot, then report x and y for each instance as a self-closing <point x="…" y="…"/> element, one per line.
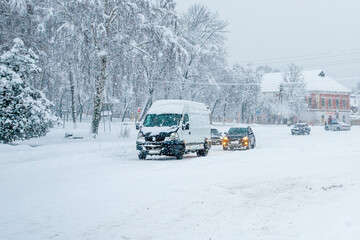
<point x="323" y="102"/>
<point x="329" y="103"/>
<point x="344" y="103"/>
<point x="337" y="103"/>
<point x="309" y="102"/>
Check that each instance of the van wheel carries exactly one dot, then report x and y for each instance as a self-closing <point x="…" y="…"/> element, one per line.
<point x="338" y="129"/>
<point x="207" y="145"/>
<point x="179" y="156"/>
<point x="202" y="153"/>
<point x="142" y="156"/>
<point x="179" y="153"/>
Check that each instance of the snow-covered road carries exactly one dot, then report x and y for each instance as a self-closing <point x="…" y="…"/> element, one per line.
<point x="289" y="187"/>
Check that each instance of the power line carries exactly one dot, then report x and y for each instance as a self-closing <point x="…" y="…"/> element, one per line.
<point x="322" y="64"/>
<point x="352" y="61"/>
<point x="241" y="84"/>
<point x="349" y="78"/>
<point x="306" y="57"/>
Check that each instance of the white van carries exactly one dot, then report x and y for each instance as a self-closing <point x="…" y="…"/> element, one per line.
<point x="173" y="128"/>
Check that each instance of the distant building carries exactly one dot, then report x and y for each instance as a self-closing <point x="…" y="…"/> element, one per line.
<point x="326" y="97"/>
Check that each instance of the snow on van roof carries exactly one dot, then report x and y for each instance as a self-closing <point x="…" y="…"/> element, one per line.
<point x="174" y="106"/>
<point x="314" y="82"/>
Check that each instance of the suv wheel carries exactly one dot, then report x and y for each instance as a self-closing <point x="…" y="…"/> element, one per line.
<point x="253" y="145"/>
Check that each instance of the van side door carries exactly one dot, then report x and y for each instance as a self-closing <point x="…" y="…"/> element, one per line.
<point x="186" y="129"/>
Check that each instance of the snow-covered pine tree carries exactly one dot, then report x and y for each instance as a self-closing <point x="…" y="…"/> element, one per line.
<point x="25" y="112"/>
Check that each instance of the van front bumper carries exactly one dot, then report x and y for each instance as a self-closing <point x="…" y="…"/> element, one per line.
<point x="168" y="148"/>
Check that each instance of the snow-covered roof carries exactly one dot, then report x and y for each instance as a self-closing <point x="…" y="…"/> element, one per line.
<point x="356" y="94"/>
<point x="174" y="106"/>
<point x="314" y="83"/>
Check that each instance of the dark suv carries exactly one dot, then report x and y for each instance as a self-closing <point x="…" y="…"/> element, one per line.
<point x="239" y="138"/>
<point x="216" y="137"/>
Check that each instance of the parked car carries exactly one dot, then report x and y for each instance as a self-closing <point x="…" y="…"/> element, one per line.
<point x="173" y="128"/>
<point x="239" y="138"/>
<point x="216" y="137"/>
<point x="337" y="126"/>
<point x="300" y="129"/>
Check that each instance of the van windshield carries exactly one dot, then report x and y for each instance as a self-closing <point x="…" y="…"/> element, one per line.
<point x="162" y="120"/>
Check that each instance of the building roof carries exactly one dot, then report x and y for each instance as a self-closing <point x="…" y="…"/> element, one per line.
<point x="313" y="79"/>
<point x="355" y="94"/>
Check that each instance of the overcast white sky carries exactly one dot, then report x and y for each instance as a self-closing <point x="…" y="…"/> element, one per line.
<point x="315" y="34"/>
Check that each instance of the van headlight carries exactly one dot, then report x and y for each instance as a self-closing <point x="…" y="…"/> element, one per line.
<point x="140" y="136"/>
<point x="174" y="136"/>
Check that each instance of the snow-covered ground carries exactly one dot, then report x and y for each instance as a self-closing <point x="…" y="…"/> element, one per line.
<point x="289" y="187"/>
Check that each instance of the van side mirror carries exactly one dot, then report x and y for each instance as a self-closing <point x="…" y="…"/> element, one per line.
<point x="186" y="126"/>
<point x="137" y="125"/>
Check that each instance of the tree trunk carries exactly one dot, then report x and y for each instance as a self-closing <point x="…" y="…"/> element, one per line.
<point x="99" y="97"/>
<point x="148" y="103"/>
<point x="72" y="92"/>
<point x="213" y="109"/>
<point x="81" y="110"/>
<point x="60" y="110"/>
<point x="146" y="108"/>
<point x="166" y="93"/>
<point x="224" y="113"/>
<point x="182" y="93"/>
<point x="126" y="106"/>
<point x="150" y="98"/>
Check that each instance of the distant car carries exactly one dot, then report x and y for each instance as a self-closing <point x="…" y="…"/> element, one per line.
<point x="216" y="137"/>
<point x="337" y="126"/>
<point x="300" y="129"/>
<point x="239" y="138"/>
